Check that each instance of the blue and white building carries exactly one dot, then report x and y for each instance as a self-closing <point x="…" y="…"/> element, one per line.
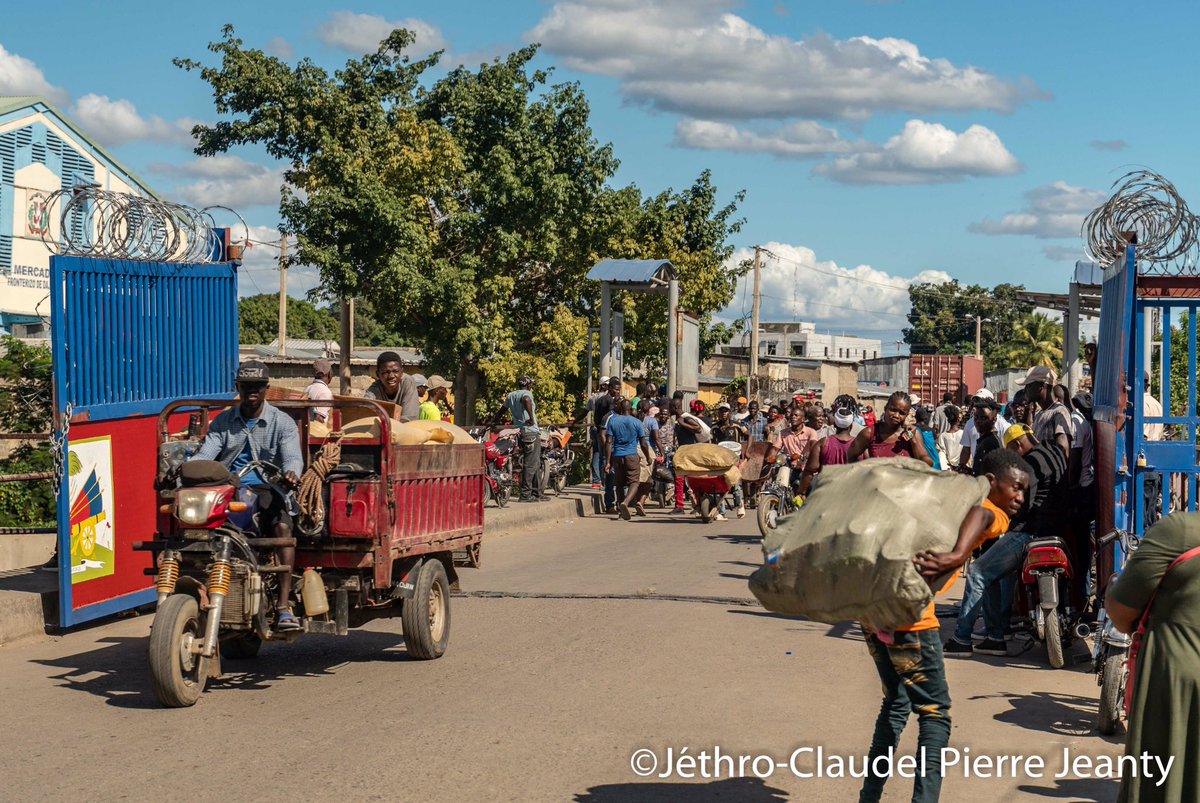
<point x="41" y="151"/>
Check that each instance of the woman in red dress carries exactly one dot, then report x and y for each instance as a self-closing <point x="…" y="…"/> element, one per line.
<point x="891" y="436"/>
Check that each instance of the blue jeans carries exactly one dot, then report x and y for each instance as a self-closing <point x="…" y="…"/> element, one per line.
<point x="913" y="672"/>
<point x="990" y="587"/>
<point x="739" y="499"/>
<point x="597" y="456"/>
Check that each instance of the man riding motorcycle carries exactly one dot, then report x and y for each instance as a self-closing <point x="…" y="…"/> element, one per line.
<point x="255" y="430"/>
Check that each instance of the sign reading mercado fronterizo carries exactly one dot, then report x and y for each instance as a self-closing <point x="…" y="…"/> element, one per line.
<point x="40" y="152"/>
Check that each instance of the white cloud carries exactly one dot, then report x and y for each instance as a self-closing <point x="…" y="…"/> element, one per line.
<point x="1062" y="253"/>
<point x="798" y="286"/>
<point x="117" y="122"/>
<point x="696" y="58"/>
<point x="1109" y="144"/>
<point x="20" y="76"/>
<point x="800" y="140"/>
<point x="1052" y="211"/>
<point x="225" y="181"/>
<point x="362" y="33"/>
<point x="280" y="48"/>
<point x="260" y="263"/>
<point x="926" y="153"/>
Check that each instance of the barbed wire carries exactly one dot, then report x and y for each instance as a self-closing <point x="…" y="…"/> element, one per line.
<point x="95" y="222"/>
<point x="1148" y="205"/>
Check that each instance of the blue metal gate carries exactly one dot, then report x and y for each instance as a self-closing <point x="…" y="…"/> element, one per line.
<point x="128" y="337"/>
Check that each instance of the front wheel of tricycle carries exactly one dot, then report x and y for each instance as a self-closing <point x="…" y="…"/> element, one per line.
<point x="178" y="675"/>
<point x="426" y="616"/>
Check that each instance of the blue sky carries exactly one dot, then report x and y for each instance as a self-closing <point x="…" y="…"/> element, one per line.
<point x="877" y="141"/>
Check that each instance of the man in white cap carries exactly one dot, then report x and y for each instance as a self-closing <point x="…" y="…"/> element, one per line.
<point x="970" y="435"/>
<point x="1052" y="419"/>
<point x="318" y="390"/>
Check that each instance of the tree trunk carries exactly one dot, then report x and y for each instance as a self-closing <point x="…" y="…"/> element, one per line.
<point x="466" y="392"/>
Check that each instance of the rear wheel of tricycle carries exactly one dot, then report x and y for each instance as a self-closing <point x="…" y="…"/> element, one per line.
<point x="240" y="647"/>
<point x="707" y="508"/>
<point x="177" y="674"/>
<point x="426" y="616"/>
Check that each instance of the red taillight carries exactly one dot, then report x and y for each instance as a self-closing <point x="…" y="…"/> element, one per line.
<point x="1043" y="559"/>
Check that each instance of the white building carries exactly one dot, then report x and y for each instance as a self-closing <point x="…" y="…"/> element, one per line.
<point x="801" y="340"/>
<point x="41" y="151"/>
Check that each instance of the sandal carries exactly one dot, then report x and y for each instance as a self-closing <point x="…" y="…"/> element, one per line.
<point x="285" y="621"/>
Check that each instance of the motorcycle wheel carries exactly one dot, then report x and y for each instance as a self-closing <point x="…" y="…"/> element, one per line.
<point x="503" y="494"/>
<point x="426" y="616"/>
<point x="241" y="647"/>
<point x="1112" y="691"/>
<point x="1054" y="639"/>
<point x="768" y="513"/>
<point x="177" y="675"/>
<point x="487" y="492"/>
<point x="560" y="483"/>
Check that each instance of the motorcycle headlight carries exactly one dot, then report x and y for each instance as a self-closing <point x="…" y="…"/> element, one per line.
<point x="196" y="505"/>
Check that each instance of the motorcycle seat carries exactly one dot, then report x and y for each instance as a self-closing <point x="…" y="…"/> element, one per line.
<point x="1046" y="541"/>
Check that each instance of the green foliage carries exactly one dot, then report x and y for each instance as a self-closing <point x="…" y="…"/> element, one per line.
<point x="258" y="320"/>
<point x="1036" y="340"/>
<point x="25" y="406"/>
<point x="942" y="319"/>
<point x="552" y="360"/>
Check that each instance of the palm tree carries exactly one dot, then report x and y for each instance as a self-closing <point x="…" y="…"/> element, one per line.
<point x="1036" y="340"/>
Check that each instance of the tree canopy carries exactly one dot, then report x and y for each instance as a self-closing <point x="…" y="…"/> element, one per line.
<point x="942" y="319"/>
<point x="467" y="210"/>
<point x="1036" y="340"/>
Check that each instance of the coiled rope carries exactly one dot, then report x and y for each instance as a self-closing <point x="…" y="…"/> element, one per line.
<point x="308" y="495"/>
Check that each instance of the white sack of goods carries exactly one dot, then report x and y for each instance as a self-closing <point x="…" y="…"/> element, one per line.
<point x="847" y="554"/>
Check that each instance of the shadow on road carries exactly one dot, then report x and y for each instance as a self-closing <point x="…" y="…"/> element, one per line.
<point x="1051" y="712"/>
<point x="736" y="539"/>
<point x="752" y="790"/>
<point x="118" y="670"/>
<point x="1089" y="790"/>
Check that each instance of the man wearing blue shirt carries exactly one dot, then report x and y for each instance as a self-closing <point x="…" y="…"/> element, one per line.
<point x="625" y="435"/>
<point x="255" y="430"/>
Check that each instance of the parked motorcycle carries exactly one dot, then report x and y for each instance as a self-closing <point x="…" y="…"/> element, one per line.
<point x="1110" y="652"/>
<point x="497" y="476"/>
<point x="557" y="458"/>
<point x="776" y="501"/>
<point x="1046" y="579"/>
<point x="662" y="490"/>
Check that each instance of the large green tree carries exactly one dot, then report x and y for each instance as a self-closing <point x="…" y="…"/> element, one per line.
<point x="942" y="319"/>
<point x="258" y="320"/>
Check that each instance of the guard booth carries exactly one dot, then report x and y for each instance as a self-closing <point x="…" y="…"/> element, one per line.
<point x="128" y="336"/>
<point x="1141" y="476"/>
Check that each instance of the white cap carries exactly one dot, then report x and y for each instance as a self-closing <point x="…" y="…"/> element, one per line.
<point x="984" y="393"/>
<point x="604" y="380"/>
<point x="420" y="379"/>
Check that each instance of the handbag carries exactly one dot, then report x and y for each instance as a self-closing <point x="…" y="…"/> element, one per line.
<point x="1139" y="635"/>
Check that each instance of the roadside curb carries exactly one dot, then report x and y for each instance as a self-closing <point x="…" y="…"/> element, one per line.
<point x="574" y="503"/>
<point x="28" y="604"/>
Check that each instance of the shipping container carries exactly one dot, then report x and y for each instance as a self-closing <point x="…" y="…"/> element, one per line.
<point x="932" y="375"/>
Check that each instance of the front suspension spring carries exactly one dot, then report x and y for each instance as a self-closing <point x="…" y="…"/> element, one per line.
<point x="168" y="574"/>
<point x="219" y="576"/>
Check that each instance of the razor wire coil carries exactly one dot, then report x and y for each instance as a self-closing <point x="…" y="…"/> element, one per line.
<point x="94" y="222"/>
<point x="1148" y="206"/>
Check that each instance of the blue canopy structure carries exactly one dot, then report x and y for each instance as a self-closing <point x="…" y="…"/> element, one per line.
<point x="649" y="272"/>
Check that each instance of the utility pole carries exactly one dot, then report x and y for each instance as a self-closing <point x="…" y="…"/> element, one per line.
<point x="346" y="345"/>
<point x="282" y="351"/>
<point x="978" y="336"/>
<point x="752" y="381"/>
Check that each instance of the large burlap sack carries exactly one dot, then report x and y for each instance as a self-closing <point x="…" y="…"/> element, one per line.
<point x="446" y="432"/>
<point x="847" y="553"/>
<point x="703" y="459"/>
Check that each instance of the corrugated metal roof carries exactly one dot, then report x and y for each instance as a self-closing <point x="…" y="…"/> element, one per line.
<point x="12" y="103"/>
<point x="632" y="271"/>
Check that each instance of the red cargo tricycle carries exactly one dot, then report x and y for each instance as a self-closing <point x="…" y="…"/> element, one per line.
<point x="395" y="517"/>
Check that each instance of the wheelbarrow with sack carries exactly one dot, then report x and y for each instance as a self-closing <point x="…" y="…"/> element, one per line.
<point x="711" y="471"/>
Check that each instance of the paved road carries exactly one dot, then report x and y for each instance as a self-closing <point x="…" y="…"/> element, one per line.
<point x="538" y="698"/>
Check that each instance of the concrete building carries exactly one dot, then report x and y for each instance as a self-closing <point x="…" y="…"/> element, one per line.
<point x="801" y="339"/>
<point x="781" y="378"/>
<point x="41" y="151"/>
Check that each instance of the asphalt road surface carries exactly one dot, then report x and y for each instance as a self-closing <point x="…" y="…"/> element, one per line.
<point x="603" y="638"/>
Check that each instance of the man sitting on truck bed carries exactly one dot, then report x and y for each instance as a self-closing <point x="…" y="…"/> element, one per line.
<point x="255" y="430"/>
<point x="393" y="385"/>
